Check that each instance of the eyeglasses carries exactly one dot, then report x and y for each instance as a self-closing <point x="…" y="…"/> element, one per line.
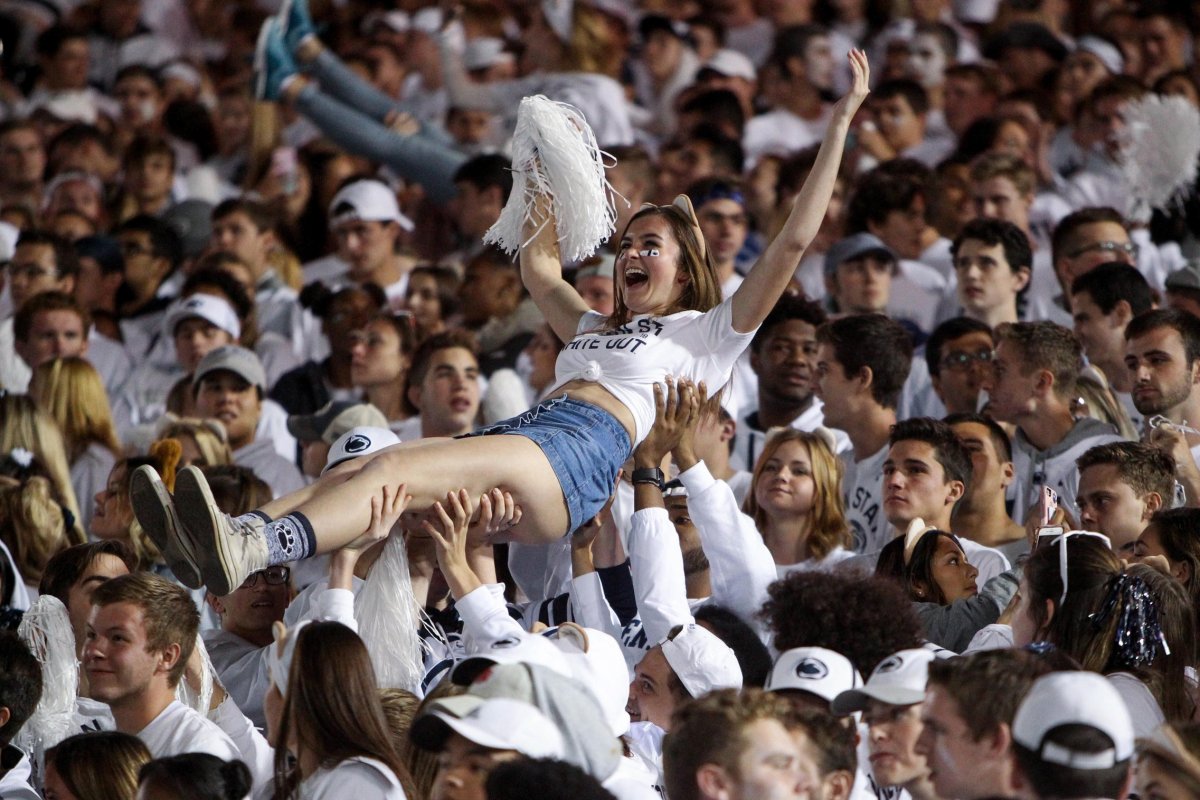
<point x="961" y="360"/>
<point x="1050" y="536"/>
<point x="1128" y="248"/>
<point x="274" y="576"/>
<point x="30" y="272"/>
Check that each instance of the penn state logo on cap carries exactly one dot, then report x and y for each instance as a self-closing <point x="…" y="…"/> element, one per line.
<point x="192" y="302"/>
<point x="812" y="669"/>
<point x="357" y="443"/>
<point x="890" y="664"/>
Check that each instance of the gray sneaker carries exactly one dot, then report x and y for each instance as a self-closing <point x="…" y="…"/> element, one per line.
<point x="228" y="549"/>
<point x="156" y="514"/>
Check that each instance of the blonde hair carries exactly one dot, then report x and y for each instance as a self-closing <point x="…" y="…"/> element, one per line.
<point x="592" y="46"/>
<point x="24" y="425"/>
<point x="827" y="528"/>
<point x="70" y="390"/>
<point x="208" y="434"/>
<point x="1096" y="400"/>
<point x="31" y="525"/>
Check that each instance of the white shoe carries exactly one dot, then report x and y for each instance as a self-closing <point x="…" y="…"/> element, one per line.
<point x="156" y="514"/>
<point x="228" y="550"/>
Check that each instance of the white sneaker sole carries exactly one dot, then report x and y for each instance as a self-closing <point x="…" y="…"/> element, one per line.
<point x="155" y="512"/>
<point x="221" y="569"/>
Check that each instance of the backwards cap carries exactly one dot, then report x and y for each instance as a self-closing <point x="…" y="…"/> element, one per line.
<point x="500" y="723"/>
<point x="367" y="200"/>
<point x="701" y="661"/>
<point x="1074" y="698"/>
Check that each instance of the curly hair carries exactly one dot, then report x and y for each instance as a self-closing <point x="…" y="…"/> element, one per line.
<point x="866" y="619"/>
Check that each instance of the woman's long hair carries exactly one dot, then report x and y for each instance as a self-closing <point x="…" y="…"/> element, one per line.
<point x="71" y="391"/>
<point x="31" y="525"/>
<point x="701" y="292"/>
<point x="99" y="766"/>
<point x="1177" y="536"/>
<point x="1167" y="678"/>
<point x="916" y="576"/>
<point x="1100" y="594"/>
<point x="24" y="425"/>
<point x="827" y="520"/>
<point x="332" y="709"/>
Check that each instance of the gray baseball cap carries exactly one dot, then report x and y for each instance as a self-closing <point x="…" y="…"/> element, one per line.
<point x="856" y="246"/>
<point x="1186" y="277"/>
<point x="334" y="419"/>
<point x="238" y="360"/>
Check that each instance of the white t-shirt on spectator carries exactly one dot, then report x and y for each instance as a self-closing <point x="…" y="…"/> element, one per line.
<point x="179" y="729"/>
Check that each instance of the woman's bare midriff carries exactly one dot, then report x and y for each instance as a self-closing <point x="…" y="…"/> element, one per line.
<point x="597" y="395"/>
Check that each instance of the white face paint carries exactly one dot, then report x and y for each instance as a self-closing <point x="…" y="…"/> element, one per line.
<point x="927" y="61"/>
<point x="645" y="253"/>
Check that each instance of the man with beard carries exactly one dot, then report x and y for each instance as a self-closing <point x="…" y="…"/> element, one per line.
<point x="782" y="355"/>
<point x="1162" y="348"/>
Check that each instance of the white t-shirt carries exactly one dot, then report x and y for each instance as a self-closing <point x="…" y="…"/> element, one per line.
<point x="781" y="133"/>
<point x="862" y="487"/>
<point x="749" y="438"/>
<point x="916" y="290"/>
<point x="359" y="777"/>
<point x="1144" y="710"/>
<point x="628" y="361"/>
<point x="179" y="729"/>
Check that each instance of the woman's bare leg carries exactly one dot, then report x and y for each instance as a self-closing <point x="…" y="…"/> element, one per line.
<point x="339" y="510"/>
<point x="332" y="479"/>
<point x="478" y="464"/>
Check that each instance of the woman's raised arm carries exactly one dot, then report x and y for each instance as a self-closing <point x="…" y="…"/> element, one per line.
<point x="541" y="271"/>
<point x="766" y="282"/>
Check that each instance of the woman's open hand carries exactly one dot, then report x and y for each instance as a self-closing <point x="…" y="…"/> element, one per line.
<point x="860" y="86"/>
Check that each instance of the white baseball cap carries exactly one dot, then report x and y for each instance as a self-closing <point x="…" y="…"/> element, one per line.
<point x="816" y="670"/>
<point x="597" y="662"/>
<point x="523" y="648"/>
<point x="207" y="307"/>
<point x="499" y="723"/>
<point x="701" y="661"/>
<point x="731" y="64"/>
<point x="1074" y="698"/>
<point x="899" y="680"/>
<point x="484" y="52"/>
<point x="367" y="200"/>
<point x="357" y="442"/>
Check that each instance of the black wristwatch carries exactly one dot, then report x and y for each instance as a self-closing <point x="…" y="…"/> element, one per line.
<point x="652" y="475"/>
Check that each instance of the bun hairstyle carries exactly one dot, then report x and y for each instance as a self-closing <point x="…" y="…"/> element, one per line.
<point x="196" y="776"/>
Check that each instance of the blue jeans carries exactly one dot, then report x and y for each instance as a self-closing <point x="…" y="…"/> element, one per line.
<point x="584" y="444"/>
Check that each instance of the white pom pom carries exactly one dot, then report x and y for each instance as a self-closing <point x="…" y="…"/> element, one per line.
<point x="198" y="701"/>
<point x="389" y="619"/>
<point x="555" y="154"/>
<point x="46" y="630"/>
<point x="1159" y="150"/>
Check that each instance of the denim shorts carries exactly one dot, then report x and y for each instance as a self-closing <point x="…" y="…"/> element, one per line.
<point x="584" y="444"/>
